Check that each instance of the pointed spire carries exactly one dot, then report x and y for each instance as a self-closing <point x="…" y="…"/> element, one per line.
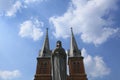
<point x="45" y="51"/>
<point x="74" y="51"/>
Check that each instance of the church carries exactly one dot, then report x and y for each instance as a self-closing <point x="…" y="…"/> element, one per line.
<point x="75" y="61"/>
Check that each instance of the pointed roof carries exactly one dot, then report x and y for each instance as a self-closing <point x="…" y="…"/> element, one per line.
<point x="74" y="51"/>
<point x="45" y="51"/>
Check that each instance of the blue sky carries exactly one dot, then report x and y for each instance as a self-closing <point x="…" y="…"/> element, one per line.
<point x="95" y="24"/>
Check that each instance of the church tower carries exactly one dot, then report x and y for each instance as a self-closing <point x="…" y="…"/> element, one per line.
<point x="75" y="61"/>
<point x="43" y="69"/>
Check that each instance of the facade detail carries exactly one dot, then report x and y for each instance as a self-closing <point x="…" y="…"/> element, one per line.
<point x="75" y="61"/>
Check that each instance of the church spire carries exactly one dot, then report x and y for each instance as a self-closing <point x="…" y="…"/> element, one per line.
<point x="45" y="51"/>
<point x="74" y="51"/>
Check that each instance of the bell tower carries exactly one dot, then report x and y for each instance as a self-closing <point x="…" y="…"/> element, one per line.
<point x="75" y="61"/>
<point x="43" y="69"/>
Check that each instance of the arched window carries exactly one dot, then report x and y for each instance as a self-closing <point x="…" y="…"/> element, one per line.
<point x="43" y="67"/>
<point x="76" y="67"/>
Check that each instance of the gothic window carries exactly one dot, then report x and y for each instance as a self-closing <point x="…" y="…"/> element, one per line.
<point x="76" y="67"/>
<point x="43" y="67"/>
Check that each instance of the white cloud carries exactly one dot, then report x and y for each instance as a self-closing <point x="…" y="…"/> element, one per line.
<point x="32" y="1"/>
<point x="87" y="19"/>
<point x="95" y="66"/>
<point x="14" y="8"/>
<point x="31" y="29"/>
<point x="11" y="7"/>
<point x="9" y="75"/>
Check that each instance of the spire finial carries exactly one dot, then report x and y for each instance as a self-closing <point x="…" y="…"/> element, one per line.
<point x="71" y="29"/>
<point x="46" y="29"/>
<point x="46" y="32"/>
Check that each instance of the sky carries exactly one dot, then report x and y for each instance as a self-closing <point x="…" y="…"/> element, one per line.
<point x="95" y="23"/>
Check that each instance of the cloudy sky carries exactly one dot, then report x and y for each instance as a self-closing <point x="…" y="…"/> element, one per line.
<point x="96" y="26"/>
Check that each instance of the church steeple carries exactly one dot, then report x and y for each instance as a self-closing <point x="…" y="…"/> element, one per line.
<point x="45" y="51"/>
<point x="43" y="69"/>
<point x="74" y="51"/>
